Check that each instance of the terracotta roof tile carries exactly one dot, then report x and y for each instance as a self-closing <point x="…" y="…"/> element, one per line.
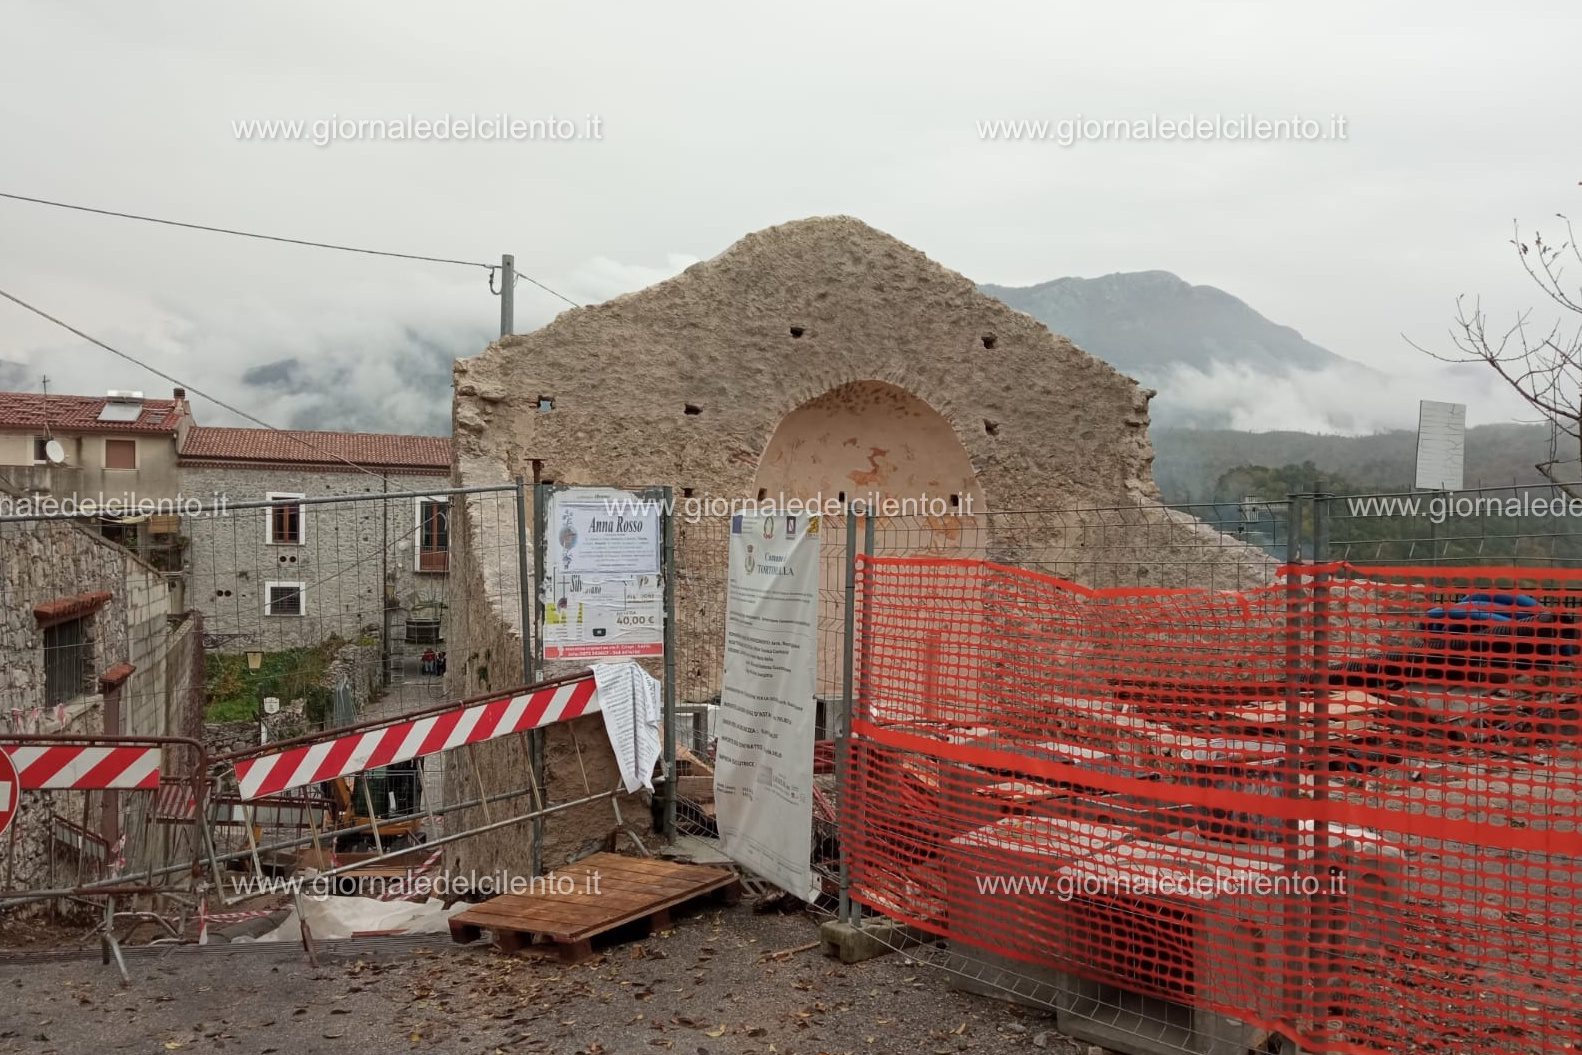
<point x="48" y="613"/>
<point x="32" y="411"/>
<point x="296" y="447"/>
<point x="116" y="676"/>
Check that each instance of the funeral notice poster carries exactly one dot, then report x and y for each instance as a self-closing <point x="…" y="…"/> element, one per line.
<point x="603" y="596"/>
<point x="763" y="773"/>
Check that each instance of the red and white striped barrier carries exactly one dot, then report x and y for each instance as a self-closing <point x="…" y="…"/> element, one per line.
<point x="175" y="802"/>
<point x="311" y="763"/>
<point x="51" y="767"/>
<point x="205" y="917"/>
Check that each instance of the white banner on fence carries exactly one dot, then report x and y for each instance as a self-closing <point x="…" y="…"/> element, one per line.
<point x="603" y="597"/>
<point x="763" y="775"/>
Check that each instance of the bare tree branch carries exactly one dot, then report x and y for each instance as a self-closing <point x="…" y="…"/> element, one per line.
<point x="1543" y="368"/>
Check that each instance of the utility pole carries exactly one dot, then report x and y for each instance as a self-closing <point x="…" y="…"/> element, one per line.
<point x="385" y="652"/>
<point x="507" y="294"/>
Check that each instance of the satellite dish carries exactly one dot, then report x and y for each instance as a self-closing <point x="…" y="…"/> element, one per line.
<point x="55" y="452"/>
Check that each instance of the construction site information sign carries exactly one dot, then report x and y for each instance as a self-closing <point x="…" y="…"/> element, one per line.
<point x="603" y="595"/>
<point x="763" y="772"/>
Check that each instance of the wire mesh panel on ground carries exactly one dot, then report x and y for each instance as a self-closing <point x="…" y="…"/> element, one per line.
<point x="384" y="795"/>
<point x="1340" y="808"/>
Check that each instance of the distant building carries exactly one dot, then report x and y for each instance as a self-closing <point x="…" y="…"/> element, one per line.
<point x="118" y="448"/>
<point x="297" y="572"/>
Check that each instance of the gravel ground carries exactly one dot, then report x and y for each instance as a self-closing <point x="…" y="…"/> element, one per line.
<point x="704" y="988"/>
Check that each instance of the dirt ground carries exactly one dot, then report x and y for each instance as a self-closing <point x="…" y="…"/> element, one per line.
<point x="705" y="988"/>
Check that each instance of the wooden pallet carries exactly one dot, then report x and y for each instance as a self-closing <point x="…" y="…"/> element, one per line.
<point x="631" y="892"/>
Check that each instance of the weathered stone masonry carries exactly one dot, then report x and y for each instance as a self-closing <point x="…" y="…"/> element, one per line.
<point x="688" y="382"/>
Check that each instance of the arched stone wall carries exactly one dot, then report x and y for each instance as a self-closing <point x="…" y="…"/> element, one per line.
<point x="811" y="353"/>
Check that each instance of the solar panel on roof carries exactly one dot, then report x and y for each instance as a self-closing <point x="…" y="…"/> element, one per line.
<point x="121" y="412"/>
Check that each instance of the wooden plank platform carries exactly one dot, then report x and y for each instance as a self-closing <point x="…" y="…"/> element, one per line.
<point x="632" y="892"/>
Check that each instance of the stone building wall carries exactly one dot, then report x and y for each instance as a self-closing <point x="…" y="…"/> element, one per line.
<point x="826" y="359"/>
<point x="46" y="561"/>
<point x="185" y="676"/>
<point x="347" y="549"/>
<point x="487" y="657"/>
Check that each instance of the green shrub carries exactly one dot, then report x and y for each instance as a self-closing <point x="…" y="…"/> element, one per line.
<point x="232" y="692"/>
<point x="233" y="710"/>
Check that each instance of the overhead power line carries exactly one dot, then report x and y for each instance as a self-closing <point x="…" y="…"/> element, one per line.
<point x="246" y="234"/>
<point x="523" y="278"/>
<point x="491" y="268"/>
<point x="41" y="313"/>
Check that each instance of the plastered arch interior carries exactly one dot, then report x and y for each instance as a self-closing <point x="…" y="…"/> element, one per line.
<point x="876" y="443"/>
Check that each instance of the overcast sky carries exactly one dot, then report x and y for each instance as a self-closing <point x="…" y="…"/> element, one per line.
<point x="721" y="118"/>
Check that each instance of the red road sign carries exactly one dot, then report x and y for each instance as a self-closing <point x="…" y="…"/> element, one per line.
<point x="10" y="791"/>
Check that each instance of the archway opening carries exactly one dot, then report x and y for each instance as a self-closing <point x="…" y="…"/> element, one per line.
<point x="874" y="443"/>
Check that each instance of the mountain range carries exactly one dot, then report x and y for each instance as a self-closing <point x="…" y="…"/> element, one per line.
<point x="1208" y="353"/>
<point x="1147" y="322"/>
<point x="1189" y="462"/>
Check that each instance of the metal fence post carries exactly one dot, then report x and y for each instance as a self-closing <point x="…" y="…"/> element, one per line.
<point x="535" y="739"/>
<point x="860" y="694"/>
<point x="668" y="569"/>
<point x="1323" y="582"/>
<point x="843" y="726"/>
<point x="1293" y="986"/>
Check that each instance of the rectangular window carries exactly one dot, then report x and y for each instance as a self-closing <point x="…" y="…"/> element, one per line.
<point x="284" y="526"/>
<point x="68" y="661"/>
<point x="285" y="598"/>
<point x="120" y="454"/>
<point x="433" y="535"/>
<point x="40" y="454"/>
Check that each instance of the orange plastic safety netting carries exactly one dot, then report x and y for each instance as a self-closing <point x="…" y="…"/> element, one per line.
<point x="1342" y="807"/>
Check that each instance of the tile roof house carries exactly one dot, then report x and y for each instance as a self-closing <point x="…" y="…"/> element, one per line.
<point x="34" y="412"/>
<point x="287" y="574"/>
<point x="325" y="451"/>
<point x="101" y="448"/>
<point x="353" y="533"/>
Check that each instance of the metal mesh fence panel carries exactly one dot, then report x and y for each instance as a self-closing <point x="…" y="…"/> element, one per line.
<point x="374" y="805"/>
<point x="1531" y="526"/>
<point x="1337" y="808"/>
<point x="107" y="825"/>
<point x="347" y="603"/>
<point x="1213" y="547"/>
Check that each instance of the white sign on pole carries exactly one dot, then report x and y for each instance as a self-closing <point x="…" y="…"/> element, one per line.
<point x="1441" y="445"/>
<point x="603" y="595"/>
<point x="763" y="772"/>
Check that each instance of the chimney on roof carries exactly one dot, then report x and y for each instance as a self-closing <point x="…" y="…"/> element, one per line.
<point x="180" y="393"/>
